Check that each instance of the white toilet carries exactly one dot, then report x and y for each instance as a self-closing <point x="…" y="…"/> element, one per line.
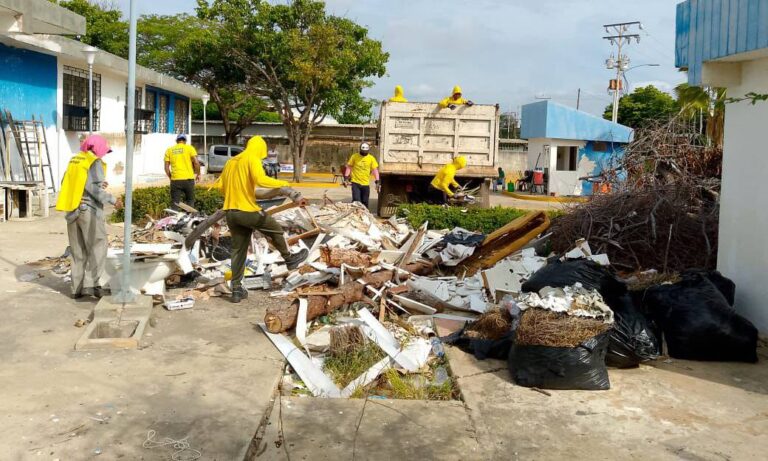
<point x="148" y="274"/>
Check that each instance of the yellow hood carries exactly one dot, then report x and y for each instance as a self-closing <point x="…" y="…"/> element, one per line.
<point x="460" y="162"/>
<point x="256" y="146"/>
<point x="456" y="89"/>
<point x="398" y="97"/>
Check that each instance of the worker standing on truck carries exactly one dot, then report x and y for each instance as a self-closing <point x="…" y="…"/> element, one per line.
<point x="360" y="167"/>
<point x="238" y="182"/>
<point x="455" y="99"/>
<point x="83" y="197"/>
<point x="183" y="169"/>
<point x="398" y="97"/>
<point x="441" y="184"/>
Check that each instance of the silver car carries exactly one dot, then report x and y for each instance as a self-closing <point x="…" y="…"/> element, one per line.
<point x="217" y="156"/>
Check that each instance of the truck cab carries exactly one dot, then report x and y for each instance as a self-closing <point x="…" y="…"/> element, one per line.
<point x="416" y="139"/>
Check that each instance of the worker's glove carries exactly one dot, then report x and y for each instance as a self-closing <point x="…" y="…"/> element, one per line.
<point x="452" y="106"/>
<point x="378" y="186"/>
<point x="470" y="103"/>
<point x="345" y="182"/>
<point x="291" y="193"/>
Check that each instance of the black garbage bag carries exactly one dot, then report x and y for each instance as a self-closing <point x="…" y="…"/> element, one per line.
<point x="632" y="339"/>
<point x="721" y="282"/>
<point x="481" y="348"/>
<point x="590" y="274"/>
<point x="698" y="323"/>
<point x="579" y="368"/>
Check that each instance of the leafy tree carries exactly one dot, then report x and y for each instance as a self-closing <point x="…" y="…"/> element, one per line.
<point x="307" y="63"/>
<point x="642" y="106"/>
<point x="105" y="28"/>
<point x="192" y="49"/>
<point x="705" y="105"/>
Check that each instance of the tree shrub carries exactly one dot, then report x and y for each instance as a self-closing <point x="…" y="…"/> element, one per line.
<point x="152" y="201"/>
<point x="485" y="220"/>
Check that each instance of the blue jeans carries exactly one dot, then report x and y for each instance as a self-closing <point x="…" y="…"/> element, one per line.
<point x="360" y="193"/>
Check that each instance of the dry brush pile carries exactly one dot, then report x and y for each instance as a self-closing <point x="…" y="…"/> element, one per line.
<point x="662" y="211"/>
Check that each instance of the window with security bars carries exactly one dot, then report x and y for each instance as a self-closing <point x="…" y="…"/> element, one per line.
<point x="75" y="89"/>
<point x="143" y="119"/>
<point x="180" y="115"/>
<point x="162" y="116"/>
<point x="149" y="102"/>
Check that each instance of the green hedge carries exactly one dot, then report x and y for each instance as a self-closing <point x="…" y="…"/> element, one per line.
<point x="153" y="200"/>
<point x="485" y="220"/>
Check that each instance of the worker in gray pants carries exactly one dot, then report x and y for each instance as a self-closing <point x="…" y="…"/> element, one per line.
<point x="83" y="197"/>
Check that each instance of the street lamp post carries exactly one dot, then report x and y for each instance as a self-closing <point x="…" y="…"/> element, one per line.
<point x="90" y="56"/>
<point x="205" y="99"/>
<point x="126" y="294"/>
<point x="635" y="67"/>
<point x="622" y="67"/>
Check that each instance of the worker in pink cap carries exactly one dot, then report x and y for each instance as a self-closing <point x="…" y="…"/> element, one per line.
<point x="83" y="196"/>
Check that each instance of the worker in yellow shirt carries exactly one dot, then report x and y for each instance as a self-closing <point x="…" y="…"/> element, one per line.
<point x="359" y="169"/>
<point x="183" y="169"/>
<point x="238" y="183"/>
<point x="398" y="97"/>
<point x="441" y="184"/>
<point x="455" y="99"/>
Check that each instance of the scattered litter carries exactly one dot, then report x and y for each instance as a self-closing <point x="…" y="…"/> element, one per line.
<point x="178" y="304"/>
<point x="183" y="451"/>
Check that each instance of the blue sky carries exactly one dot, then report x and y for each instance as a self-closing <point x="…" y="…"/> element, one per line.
<point x="503" y="51"/>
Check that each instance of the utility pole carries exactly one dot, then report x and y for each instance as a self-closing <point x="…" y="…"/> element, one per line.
<point x="620" y="62"/>
<point x="578" y="98"/>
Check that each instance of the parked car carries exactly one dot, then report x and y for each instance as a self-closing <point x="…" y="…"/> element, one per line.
<point x="217" y="156"/>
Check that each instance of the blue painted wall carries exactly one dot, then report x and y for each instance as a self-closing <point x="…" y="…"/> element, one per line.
<point x="547" y="119"/>
<point x="28" y="84"/>
<point x="711" y="29"/>
<point x="601" y="159"/>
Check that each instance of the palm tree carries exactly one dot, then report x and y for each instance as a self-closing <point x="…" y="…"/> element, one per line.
<point x="696" y="101"/>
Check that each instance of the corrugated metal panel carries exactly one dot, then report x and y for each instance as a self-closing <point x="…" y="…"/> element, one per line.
<point x="712" y="29"/>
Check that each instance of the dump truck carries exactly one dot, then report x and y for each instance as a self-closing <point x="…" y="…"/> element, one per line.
<point x="416" y="139"/>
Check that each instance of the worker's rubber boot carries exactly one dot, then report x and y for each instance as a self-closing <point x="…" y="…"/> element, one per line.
<point x="295" y="259"/>
<point x="239" y="293"/>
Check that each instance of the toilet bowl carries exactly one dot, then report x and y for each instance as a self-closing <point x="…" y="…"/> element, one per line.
<point x="147" y="274"/>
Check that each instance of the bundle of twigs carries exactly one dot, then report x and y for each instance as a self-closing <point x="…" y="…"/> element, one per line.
<point x="345" y="339"/>
<point x="662" y="211"/>
<point x="493" y="324"/>
<point x="542" y="327"/>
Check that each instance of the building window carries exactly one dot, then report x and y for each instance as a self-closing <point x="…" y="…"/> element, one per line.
<point x="149" y="103"/>
<point x="599" y="146"/>
<point x="567" y="157"/>
<point x="75" y="88"/>
<point x="180" y="115"/>
<point x="162" y="116"/>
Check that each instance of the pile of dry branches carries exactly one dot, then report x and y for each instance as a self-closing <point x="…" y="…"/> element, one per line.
<point x="662" y="211"/>
<point x="542" y="327"/>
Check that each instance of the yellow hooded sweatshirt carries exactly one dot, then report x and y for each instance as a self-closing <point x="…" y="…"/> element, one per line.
<point x="398" y="97"/>
<point x="449" y="100"/>
<point x="243" y="174"/>
<point x="445" y="177"/>
<point x="73" y="184"/>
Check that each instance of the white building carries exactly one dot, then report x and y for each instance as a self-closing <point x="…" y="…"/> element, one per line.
<point x="570" y="145"/>
<point x="725" y="44"/>
<point x="45" y="76"/>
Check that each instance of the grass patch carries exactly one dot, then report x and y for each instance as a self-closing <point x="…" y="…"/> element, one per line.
<point x="414" y="387"/>
<point x="344" y="367"/>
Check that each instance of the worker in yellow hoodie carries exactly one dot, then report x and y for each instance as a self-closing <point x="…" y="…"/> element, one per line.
<point x="441" y="184"/>
<point x="398" y="97"/>
<point x="82" y="197"/>
<point x="455" y="99"/>
<point x="238" y="182"/>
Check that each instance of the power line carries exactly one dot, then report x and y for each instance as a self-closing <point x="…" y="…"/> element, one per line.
<point x="620" y="38"/>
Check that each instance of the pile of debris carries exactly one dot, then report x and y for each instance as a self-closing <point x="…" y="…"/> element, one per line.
<point x="662" y="211"/>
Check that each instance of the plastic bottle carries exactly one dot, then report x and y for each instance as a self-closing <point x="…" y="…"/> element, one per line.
<point x="437" y="347"/>
<point x="441" y="376"/>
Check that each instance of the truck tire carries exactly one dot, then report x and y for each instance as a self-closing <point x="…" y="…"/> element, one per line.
<point x="389" y="197"/>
